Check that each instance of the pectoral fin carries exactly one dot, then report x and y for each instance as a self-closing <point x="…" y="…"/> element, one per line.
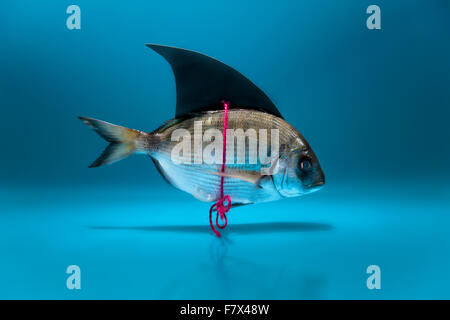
<point x="253" y="177"/>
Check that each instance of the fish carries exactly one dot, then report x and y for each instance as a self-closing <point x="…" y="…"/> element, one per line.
<point x="288" y="167"/>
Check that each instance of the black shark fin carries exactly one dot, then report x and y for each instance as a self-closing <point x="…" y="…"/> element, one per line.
<point x="203" y="83"/>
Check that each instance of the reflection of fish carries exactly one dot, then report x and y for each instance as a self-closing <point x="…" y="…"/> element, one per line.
<point x="202" y="84"/>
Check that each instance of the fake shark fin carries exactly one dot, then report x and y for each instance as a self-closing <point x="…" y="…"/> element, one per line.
<point x="203" y="83"/>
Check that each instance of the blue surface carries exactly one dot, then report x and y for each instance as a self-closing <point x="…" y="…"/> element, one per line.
<point x="374" y="105"/>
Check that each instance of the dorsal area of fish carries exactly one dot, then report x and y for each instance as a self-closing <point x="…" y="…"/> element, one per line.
<point x="197" y="179"/>
<point x="237" y="119"/>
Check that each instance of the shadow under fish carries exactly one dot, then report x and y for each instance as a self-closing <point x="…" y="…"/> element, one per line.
<point x="240" y="229"/>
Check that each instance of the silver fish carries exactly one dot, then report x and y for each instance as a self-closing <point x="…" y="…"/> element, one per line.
<point x="202" y="83"/>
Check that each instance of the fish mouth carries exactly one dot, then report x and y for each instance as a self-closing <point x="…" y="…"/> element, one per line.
<point x="315" y="186"/>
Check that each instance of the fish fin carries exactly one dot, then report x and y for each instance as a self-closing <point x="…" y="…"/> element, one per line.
<point x="235" y="205"/>
<point x="202" y="83"/>
<point x="253" y="177"/>
<point x="123" y="141"/>
<point x="112" y="153"/>
<point x="162" y="172"/>
<point x="239" y="204"/>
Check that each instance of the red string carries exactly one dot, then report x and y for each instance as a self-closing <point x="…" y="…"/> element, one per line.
<point x="221" y="209"/>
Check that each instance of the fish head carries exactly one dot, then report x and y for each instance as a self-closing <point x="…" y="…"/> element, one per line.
<point x="300" y="173"/>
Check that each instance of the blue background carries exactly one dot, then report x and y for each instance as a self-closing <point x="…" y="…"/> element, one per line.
<point x="373" y="104"/>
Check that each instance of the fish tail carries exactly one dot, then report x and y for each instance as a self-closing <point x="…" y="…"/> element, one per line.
<point x="123" y="141"/>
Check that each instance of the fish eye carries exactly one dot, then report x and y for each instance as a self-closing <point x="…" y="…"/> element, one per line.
<point x="305" y="165"/>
